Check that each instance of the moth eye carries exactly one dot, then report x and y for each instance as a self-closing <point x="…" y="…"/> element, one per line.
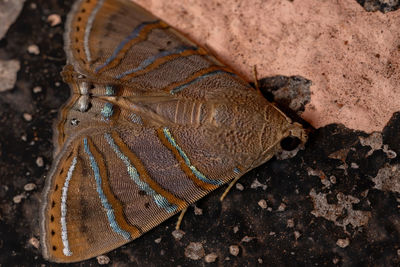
<point x="74" y="122"/>
<point x="289" y="143"/>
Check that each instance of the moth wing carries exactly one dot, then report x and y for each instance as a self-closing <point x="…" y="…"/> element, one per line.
<point x="109" y="186"/>
<point x="116" y="41"/>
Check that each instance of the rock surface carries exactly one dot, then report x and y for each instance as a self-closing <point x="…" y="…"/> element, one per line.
<point x="9" y="11"/>
<point x="321" y="209"/>
<point x="351" y="56"/>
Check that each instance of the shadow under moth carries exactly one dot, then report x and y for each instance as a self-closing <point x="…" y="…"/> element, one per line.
<point x="153" y="124"/>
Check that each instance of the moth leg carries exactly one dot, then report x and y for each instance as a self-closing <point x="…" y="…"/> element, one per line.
<point x="229" y="187"/>
<point x="178" y="223"/>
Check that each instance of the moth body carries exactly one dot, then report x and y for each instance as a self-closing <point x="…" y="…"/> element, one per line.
<point x="153" y="124"/>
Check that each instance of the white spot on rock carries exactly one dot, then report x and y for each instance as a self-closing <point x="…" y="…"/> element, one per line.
<point x="257" y="184"/>
<point x="343" y="242"/>
<point x="354" y="165"/>
<point x="212" y="257"/>
<point x="18" y="198"/>
<point x="262" y="203"/>
<point x="33" y="49"/>
<point x="374" y="140"/>
<point x="8" y="74"/>
<point x="194" y="251"/>
<point x="234" y="250"/>
<point x="198" y="211"/>
<point x="178" y="234"/>
<point x="103" y="259"/>
<point x="34" y="242"/>
<point x="37" y="89"/>
<point x="29" y="187"/>
<point x="239" y="186"/>
<point x="344" y="205"/>
<point x="282" y="207"/>
<point x="54" y="19"/>
<point x="39" y="162"/>
<point x="388" y="178"/>
<point x="27" y="116"/>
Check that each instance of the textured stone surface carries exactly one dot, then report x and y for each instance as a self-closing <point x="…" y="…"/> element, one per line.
<point x="9" y="11"/>
<point x="294" y="230"/>
<point x="8" y="74"/>
<point x="350" y="55"/>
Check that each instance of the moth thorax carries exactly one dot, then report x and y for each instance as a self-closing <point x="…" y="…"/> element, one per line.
<point x="84" y="88"/>
<point x="83" y="103"/>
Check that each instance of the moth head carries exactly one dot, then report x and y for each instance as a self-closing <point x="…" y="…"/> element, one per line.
<point x="295" y="139"/>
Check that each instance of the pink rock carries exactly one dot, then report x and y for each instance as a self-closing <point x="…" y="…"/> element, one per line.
<point x="351" y="56"/>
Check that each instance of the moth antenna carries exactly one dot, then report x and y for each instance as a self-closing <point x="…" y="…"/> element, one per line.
<point x="256" y="78"/>
<point x="178" y="223"/>
<point x="229" y="188"/>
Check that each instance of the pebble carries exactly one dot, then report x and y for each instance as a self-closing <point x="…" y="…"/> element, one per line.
<point x="194" y="251"/>
<point x="34" y="242"/>
<point x="234" y="250"/>
<point x="354" y="165"/>
<point x="198" y="211"/>
<point x="282" y="207"/>
<point x="39" y="162"/>
<point x="239" y="187"/>
<point x="33" y="49"/>
<point x="29" y="187"/>
<point x="27" y="116"/>
<point x="54" y="19"/>
<point x="157" y="241"/>
<point x="257" y="184"/>
<point x="210" y="257"/>
<point x="18" y="198"/>
<point x="290" y="223"/>
<point x="37" y="89"/>
<point x="297" y="234"/>
<point x="103" y="259"/>
<point x="343" y="242"/>
<point x="178" y="234"/>
<point x="262" y="203"/>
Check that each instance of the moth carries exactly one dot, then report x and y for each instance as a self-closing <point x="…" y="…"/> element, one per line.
<point x="153" y="124"/>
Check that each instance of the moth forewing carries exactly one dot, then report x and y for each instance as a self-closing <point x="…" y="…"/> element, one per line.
<point x="154" y="123"/>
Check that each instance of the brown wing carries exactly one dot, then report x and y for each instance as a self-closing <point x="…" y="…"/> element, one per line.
<point x="154" y="124"/>
<point x="110" y="185"/>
